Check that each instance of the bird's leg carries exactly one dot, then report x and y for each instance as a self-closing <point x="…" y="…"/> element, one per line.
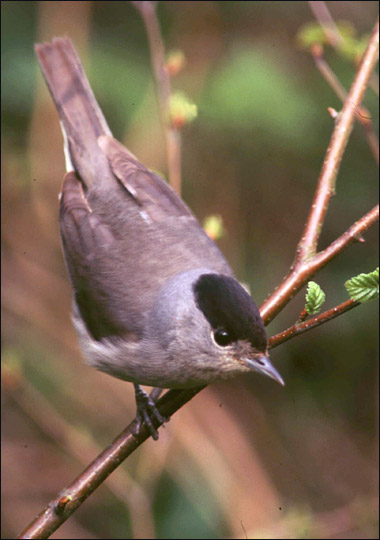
<point x="155" y="393"/>
<point x="147" y="411"/>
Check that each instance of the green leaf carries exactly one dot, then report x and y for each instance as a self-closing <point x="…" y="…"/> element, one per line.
<point x="364" y="287"/>
<point x="315" y="298"/>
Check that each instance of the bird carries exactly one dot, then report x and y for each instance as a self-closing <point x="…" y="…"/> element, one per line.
<point x="155" y="302"/>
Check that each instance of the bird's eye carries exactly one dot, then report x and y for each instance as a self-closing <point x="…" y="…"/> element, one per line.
<point x="222" y="337"/>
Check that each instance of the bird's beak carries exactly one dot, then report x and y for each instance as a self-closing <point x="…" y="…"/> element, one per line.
<point x="263" y="365"/>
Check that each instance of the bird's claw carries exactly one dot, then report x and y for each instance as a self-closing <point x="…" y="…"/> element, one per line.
<point x="147" y="413"/>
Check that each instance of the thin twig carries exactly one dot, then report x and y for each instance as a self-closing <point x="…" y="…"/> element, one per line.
<point x="296" y="279"/>
<point x="327" y="23"/>
<point x="303" y="268"/>
<point x="326" y="182"/>
<point x="333" y="36"/>
<point x="300" y="328"/>
<point x="353" y="234"/>
<point x="362" y="115"/>
<point x="147" y="10"/>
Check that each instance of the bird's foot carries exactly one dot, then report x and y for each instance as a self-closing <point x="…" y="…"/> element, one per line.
<point x="147" y="413"/>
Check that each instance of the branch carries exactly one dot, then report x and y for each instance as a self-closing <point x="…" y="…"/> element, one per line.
<point x="362" y="115"/>
<point x="297" y="278"/>
<point x="61" y="508"/>
<point x="81" y="447"/>
<point x="327" y="23"/>
<point x="353" y="234"/>
<point x="71" y="497"/>
<point x="326" y="183"/>
<point x="333" y="36"/>
<point x="300" y="328"/>
<point x="307" y="262"/>
<point x="147" y="10"/>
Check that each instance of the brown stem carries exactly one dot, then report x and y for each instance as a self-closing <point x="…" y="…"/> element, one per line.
<point x="353" y="234"/>
<point x="333" y="36"/>
<point x="299" y="328"/>
<point x="299" y="276"/>
<point x="80" y="446"/>
<point x="324" y="18"/>
<point x="326" y="182"/>
<point x="307" y="262"/>
<point x="362" y="115"/>
<point x="71" y="497"/>
<point x="147" y="10"/>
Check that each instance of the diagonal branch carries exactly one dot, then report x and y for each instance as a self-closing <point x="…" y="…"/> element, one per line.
<point x="363" y="116"/>
<point x="304" y="266"/>
<point x="298" y="276"/>
<point x="326" y="21"/>
<point x="320" y="319"/>
<point x="306" y="263"/>
<point x="70" y="498"/>
<point x="326" y="182"/>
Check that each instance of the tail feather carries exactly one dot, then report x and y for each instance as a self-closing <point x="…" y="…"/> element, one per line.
<point x="81" y="118"/>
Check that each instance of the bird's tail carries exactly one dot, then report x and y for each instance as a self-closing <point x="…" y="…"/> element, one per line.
<point x="82" y="120"/>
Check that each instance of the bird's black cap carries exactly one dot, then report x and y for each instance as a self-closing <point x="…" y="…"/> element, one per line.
<point x="227" y="305"/>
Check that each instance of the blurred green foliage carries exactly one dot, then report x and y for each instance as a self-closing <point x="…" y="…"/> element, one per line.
<point x="241" y="96"/>
<point x="351" y="45"/>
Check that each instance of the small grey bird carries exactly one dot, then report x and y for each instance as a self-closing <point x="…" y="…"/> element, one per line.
<point x="154" y="301"/>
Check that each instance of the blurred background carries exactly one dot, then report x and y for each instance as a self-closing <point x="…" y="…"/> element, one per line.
<point x="246" y="458"/>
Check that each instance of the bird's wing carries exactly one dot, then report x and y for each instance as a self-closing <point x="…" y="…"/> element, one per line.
<point x="95" y="262"/>
<point x="151" y="193"/>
